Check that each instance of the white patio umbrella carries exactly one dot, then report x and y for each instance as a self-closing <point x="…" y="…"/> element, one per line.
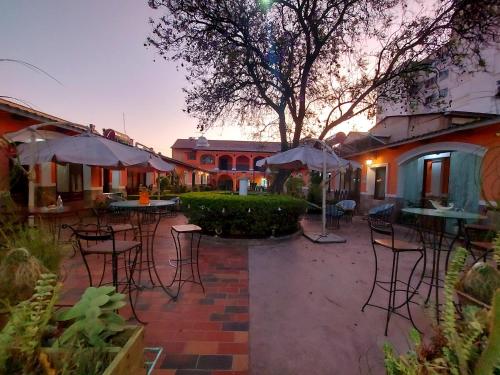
<point x="31" y="135"/>
<point x="87" y="148"/>
<point x="306" y="156"/>
<point x="90" y="149"/>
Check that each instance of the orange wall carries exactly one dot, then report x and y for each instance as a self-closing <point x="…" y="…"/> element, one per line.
<point x="486" y="137"/>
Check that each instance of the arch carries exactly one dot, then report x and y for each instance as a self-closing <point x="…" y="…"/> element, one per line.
<point x="207" y="159"/>
<point x="441" y="147"/>
<point x="225" y="182"/>
<point x="225" y="162"/>
<point x="255" y="168"/>
<point x="242" y="163"/>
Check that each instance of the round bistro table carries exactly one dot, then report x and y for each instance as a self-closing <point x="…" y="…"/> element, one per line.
<point x="436" y="240"/>
<point x="148" y="217"/>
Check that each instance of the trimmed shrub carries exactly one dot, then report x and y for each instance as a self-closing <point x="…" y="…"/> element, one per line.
<point x="251" y="216"/>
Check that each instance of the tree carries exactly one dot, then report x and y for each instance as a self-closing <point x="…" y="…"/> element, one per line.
<point x="306" y="66"/>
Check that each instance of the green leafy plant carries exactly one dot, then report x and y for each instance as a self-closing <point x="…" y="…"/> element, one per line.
<point x="21" y="338"/>
<point x="294" y="186"/>
<point x="94" y="320"/>
<point x="460" y="346"/>
<point x="243" y="216"/>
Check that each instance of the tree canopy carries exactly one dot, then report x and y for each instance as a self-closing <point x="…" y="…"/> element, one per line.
<point x="302" y="67"/>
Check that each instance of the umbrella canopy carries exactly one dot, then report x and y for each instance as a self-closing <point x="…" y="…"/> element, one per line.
<point x="157" y="164"/>
<point x="305" y="157"/>
<point x="89" y="149"/>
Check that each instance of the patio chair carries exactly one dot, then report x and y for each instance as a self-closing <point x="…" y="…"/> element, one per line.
<point x="382" y="212"/>
<point x="333" y="214"/>
<point x="386" y="240"/>
<point x="118" y="219"/>
<point x="92" y="240"/>
<point x="348" y="206"/>
<point x="479" y="240"/>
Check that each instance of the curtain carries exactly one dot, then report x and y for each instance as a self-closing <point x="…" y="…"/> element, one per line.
<point x="412" y="174"/>
<point x="464" y="186"/>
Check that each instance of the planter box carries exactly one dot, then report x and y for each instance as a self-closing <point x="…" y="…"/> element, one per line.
<point x="127" y="360"/>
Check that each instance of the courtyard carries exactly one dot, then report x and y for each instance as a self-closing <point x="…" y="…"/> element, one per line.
<point x="271" y="306"/>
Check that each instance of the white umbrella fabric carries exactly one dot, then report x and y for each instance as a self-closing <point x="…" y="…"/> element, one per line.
<point x="87" y="148"/>
<point x="306" y="156"/>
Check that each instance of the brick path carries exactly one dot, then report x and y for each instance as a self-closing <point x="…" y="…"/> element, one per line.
<point x="201" y="334"/>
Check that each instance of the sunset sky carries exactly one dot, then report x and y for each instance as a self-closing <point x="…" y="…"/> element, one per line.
<point x="95" y="49"/>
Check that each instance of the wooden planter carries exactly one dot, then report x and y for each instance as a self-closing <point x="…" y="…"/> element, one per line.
<point x="127" y="360"/>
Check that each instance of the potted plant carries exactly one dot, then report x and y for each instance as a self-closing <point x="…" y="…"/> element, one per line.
<point x="88" y="338"/>
<point x="479" y="283"/>
<point x="463" y="345"/>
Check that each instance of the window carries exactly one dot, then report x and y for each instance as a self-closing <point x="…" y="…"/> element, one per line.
<point x="207" y="159"/>
<point x="430" y="82"/>
<point x="380" y="176"/>
<point x="429" y="99"/>
<point x="443" y="74"/>
<point x="191" y="155"/>
<point x="443" y="93"/>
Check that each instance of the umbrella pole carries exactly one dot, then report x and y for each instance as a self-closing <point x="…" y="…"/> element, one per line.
<point x="323" y="202"/>
<point x="159" y="192"/>
<point x="31" y="174"/>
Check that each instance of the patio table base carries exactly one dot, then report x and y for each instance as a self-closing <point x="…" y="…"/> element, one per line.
<point x="318" y="237"/>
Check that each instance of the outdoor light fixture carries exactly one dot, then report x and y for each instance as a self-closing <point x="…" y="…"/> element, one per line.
<point x="369" y="162"/>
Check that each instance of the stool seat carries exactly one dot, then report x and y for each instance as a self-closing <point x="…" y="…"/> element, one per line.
<point x="481" y="227"/>
<point x="399" y="245"/>
<point x="186" y="228"/>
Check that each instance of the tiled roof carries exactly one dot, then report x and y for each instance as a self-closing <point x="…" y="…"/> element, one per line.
<point x="222" y="145"/>
<point x="351" y="151"/>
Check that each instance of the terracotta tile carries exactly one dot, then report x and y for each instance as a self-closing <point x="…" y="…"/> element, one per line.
<point x="240" y="362"/>
<point x="201" y="347"/>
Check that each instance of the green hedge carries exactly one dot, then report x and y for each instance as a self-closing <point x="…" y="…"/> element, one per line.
<point x="251" y="216"/>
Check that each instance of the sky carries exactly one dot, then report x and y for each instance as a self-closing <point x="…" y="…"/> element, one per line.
<point x="95" y="49"/>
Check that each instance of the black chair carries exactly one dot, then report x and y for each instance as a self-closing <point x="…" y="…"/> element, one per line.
<point x="386" y="240"/>
<point x="333" y="214"/>
<point x="92" y="240"/>
<point x="118" y="219"/>
<point x="479" y="240"/>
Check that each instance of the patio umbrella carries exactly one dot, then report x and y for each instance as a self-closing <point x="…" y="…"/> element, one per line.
<point x="31" y="135"/>
<point x="307" y="156"/>
<point x="87" y="148"/>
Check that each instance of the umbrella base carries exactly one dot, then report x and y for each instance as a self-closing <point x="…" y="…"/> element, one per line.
<point x="317" y="237"/>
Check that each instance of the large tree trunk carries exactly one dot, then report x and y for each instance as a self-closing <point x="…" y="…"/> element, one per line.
<point x="281" y="177"/>
<point x="279" y="181"/>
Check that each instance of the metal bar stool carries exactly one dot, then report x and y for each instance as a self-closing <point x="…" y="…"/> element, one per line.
<point x="382" y="227"/>
<point x="191" y="259"/>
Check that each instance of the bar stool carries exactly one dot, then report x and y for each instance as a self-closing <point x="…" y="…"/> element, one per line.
<point x="382" y="227"/>
<point x="188" y="259"/>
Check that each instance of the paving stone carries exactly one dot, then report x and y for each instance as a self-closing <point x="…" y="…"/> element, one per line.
<point x="180" y="361"/>
<point x="215" y="362"/>
<point x="235" y="326"/>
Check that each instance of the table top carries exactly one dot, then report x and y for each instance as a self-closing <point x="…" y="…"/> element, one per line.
<point x="52" y="210"/>
<point x="448" y="214"/>
<point x="136" y="204"/>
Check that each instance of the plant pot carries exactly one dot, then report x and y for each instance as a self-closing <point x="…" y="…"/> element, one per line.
<point x="127" y="360"/>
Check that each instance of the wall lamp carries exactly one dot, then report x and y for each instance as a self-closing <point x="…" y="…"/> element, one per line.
<point x="369" y="162"/>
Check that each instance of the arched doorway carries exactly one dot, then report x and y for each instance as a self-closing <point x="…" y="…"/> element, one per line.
<point x="447" y="171"/>
<point x="242" y="163"/>
<point x="225" y="182"/>
<point x="225" y="163"/>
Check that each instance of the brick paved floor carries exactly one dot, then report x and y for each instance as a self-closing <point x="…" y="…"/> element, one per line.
<point x="201" y="334"/>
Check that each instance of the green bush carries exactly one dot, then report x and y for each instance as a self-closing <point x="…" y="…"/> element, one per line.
<point x="294" y="186"/>
<point x="250" y="216"/>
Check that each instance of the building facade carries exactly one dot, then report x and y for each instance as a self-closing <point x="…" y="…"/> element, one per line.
<point x="456" y="160"/>
<point x="227" y="161"/>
